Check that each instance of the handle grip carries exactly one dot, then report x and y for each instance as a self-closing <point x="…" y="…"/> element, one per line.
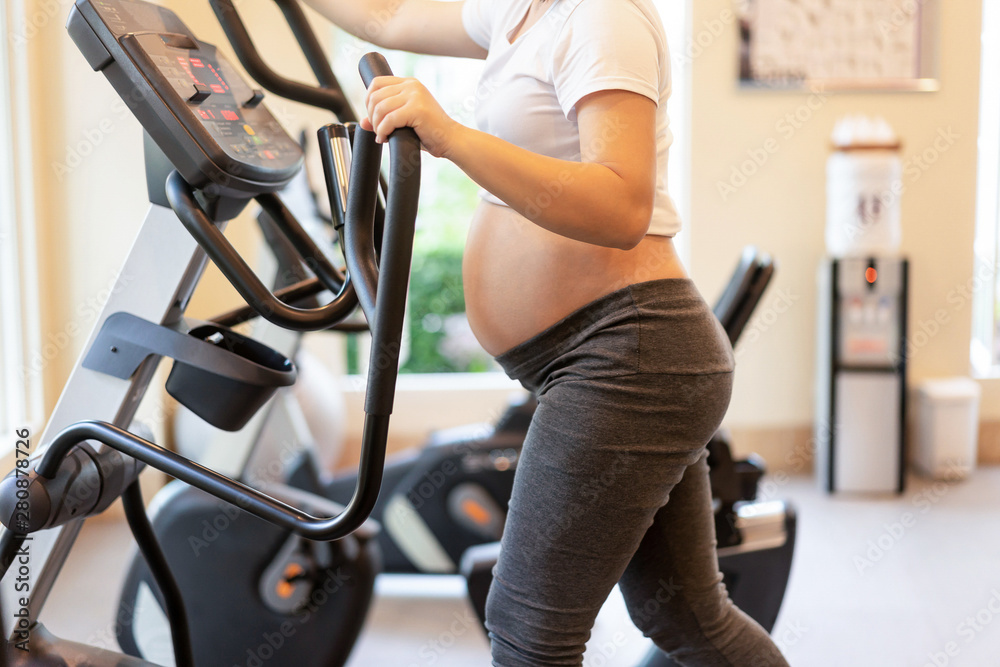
<point x="381" y="286"/>
<point x="373" y="65"/>
<point x="327" y="96"/>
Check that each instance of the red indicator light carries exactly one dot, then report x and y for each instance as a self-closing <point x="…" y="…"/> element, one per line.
<point x="187" y="68"/>
<point x="219" y="77"/>
<point x="216" y="88"/>
<point x="871" y="274"/>
<point x="269" y="155"/>
<point x="195" y="62"/>
<point x="230" y="115"/>
<point x="203" y="114"/>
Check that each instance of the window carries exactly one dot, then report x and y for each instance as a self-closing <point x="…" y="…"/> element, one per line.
<point x="439" y="338"/>
<point x="20" y="389"/>
<point x="676" y="17"/>
<point x="985" y="283"/>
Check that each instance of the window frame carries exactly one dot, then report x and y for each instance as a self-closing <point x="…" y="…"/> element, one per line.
<point x="983" y="356"/>
<point x="677" y="23"/>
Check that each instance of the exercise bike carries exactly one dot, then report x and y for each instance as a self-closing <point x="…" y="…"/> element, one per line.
<point x="211" y="147"/>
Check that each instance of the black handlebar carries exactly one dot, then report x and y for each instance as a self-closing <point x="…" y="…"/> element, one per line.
<point x="328" y="95"/>
<point x="373" y="65"/>
<point x="381" y="288"/>
<point x="378" y="282"/>
<point x="246" y="498"/>
<point x="310" y="45"/>
<point x="234" y="267"/>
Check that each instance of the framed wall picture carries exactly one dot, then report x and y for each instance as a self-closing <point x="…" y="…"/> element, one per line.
<point x="839" y="44"/>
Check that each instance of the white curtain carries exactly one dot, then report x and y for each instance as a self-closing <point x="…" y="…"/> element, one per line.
<point x="20" y="389"/>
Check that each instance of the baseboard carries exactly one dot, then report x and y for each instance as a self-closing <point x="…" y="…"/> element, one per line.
<point x="989" y="443"/>
<point x="789" y="449"/>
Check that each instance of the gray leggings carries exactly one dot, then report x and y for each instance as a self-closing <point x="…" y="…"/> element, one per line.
<point x="630" y="389"/>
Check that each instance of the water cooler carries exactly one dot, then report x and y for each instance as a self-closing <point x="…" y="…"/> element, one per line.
<point x="861" y="356"/>
<point x="861" y="397"/>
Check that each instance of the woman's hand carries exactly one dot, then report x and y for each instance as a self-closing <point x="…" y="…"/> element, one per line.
<point x="394" y="102"/>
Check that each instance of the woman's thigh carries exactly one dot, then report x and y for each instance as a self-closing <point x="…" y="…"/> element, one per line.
<point x="600" y="460"/>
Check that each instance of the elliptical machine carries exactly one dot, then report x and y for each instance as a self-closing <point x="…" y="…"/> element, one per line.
<point x="211" y="148"/>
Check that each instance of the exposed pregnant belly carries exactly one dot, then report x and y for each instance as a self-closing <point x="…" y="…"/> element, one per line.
<point x="520" y="279"/>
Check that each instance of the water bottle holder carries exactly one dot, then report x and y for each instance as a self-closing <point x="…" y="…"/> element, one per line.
<point x="218" y="374"/>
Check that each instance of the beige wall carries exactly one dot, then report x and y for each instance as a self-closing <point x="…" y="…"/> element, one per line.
<point x="88" y="216"/>
<point x="782" y="208"/>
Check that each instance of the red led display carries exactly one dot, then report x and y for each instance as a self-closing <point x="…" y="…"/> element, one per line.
<point x="219" y="77"/>
<point x="230" y="115"/>
<point x="187" y="68"/>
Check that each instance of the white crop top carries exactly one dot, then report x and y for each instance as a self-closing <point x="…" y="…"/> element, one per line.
<point x="528" y="90"/>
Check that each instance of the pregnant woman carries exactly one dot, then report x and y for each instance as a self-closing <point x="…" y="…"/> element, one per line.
<point x="572" y="282"/>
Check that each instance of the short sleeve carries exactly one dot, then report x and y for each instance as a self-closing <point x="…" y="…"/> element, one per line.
<point x="607" y="45"/>
<point x="476" y="17"/>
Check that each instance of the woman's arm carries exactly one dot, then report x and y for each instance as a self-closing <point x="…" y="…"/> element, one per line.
<point x="421" y="26"/>
<point x="605" y="199"/>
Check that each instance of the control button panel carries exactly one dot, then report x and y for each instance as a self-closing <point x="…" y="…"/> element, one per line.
<point x="213" y="126"/>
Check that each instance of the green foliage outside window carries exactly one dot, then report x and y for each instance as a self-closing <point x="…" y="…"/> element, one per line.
<point x="439" y="338"/>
